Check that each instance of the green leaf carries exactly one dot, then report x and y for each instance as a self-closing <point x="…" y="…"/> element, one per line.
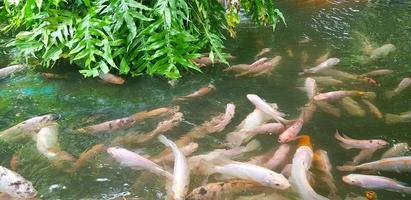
<point x="124" y="68"/>
<point x="104" y="68"/>
<point x="52" y="54"/>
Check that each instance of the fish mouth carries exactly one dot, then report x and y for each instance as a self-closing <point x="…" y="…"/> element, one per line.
<point x="346" y="179"/>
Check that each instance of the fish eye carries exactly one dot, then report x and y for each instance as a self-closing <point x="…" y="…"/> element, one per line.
<point x="277" y="184"/>
<point x="370" y="141"/>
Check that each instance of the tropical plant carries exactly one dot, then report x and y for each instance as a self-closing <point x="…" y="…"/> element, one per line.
<point x="132" y="36"/>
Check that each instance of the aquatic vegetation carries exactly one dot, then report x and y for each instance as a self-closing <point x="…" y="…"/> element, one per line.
<point x="128" y="36"/>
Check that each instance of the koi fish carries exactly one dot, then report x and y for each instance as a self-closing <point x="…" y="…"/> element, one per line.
<point x="395" y="164"/>
<point x="187" y="151"/>
<point x="87" y="155"/>
<point x="15" y="185"/>
<point x="322" y="58"/>
<point x="111" y="78"/>
<point x="245" y="67"/>
<point x="321" y="162"/>
<point x="376" y="182"/>
<point x="349" y="143"/>
<point x="262" y="69"/>
<point x="53" y="76"/>
<point x="237" y="138"/>
<point x="327" y="81"/>
<point x="364" y="154"/>
<point x="181" y="173"/>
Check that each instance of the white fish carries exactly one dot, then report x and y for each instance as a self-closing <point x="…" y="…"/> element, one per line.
<point x="7" y="71"/>
<point x="404" y="84"/>
<point x="265" y="107"/>
<point x="364" y="154"/>
<point x="376" y="182"/>
<point x="251" y="172"/>
<point x="329" y="63"/>
<point x="169" y="157"/>
<point x="181" y="172"/>
<point x="349" y="143"/>
<point x="382" y="51"/>
<point x="291" y="132"/>
<point x="29" y="126"/>
<point x="299" y="172"/>
<point x="237" y="138"/>
<point x="336" y="95"/>
<point x="254" y="119"/>
<point x="310" y="87"/>
<point x="48" y="145"/>
<point x="15" y="185"/>
<point x="400" y="118"/>
<point x="398" y="149"/>
<point x="327" y="80"/>
<point x="130" y="159"/>
<point x="279" y="157"/>
<point x="395" y="164"/>
<point x="378" y="72"/>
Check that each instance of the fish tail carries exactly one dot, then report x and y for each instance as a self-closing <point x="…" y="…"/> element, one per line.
<point x="390" y="94"/>
<point x="304" y="140"/>
<point x="251" y="146"/>
<point x="167" y="142"/>
<point x="338" y="136"/>
<point x="347" y="168"/>
<point x="406" y="190"/>
<point x="392" y="118"/>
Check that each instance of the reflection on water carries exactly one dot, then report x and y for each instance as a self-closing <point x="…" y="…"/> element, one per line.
<point x="329" y="26"/>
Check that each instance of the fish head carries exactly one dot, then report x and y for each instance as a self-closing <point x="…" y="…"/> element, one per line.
<point x="277" y="181"/>
<point x="284" y="138"/>
<point x="381" y="143"/>
<point x="351" y="179"/>
<point x="23" y="190"/>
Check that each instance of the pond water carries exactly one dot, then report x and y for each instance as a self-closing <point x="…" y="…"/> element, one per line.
<point x="329" y="26"/>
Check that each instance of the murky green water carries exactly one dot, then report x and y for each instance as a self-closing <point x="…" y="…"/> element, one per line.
<point x="329" y="26"/>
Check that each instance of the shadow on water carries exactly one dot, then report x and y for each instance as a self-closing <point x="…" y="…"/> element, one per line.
<point x="327" y="25"/>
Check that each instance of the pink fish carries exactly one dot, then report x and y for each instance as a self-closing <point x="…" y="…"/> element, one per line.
<point x="349" y="143"/>
<point x="336" y="95"/>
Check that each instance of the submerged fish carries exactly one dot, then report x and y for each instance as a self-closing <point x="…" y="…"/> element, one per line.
<point x="329" y="63"/>
<point x="237" y="138"/>
<point x="328" y="108"/>
<point x="291" y="132"/>
<point x="405" y="83"/>
<point x="181" y="173"/>
<point x="245" y="67"/>
<point x="398" y="149"/>
<point x="29" y="126"/>
<point x="382" y="51"/>
<point x="187" y="150"/>
<point x="364" y="154"/>
<point x="200" y="92"/>
<point x="279" y="157"/>
<point x="299" y="170"/>
<point x="87" y="155"/>
<point x="323" y="57"/>
<point x="336" y="95"/>
<point x="262" y="69"/>
<point x="15" y="185"/>
<point x="376" y="182"/>
<point x="54" y="76"/>
<point x="349" y="143"/>
<point x="255" y="119"/>
<point x="321" y="162"/>
<point x="400" y="118"/>
<point x="222" y="190"/>
<point x="111" y="78"/>
<point x="373" y="109"/>
<point x="310" y="87"/>
<point x="378" y="72"/>
<point x="10" y="70"/>
<point x="395" y="164"/>
<point x="262" y="52"/>
<point x="47" y="144"/>
<point x="352" y="107"/>
<point x="267" y="108"/>
<point x="130" y="159"/>
<point x="327" y="80"/>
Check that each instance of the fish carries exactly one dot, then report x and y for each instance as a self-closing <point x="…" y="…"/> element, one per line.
<point x="263" y="68"/>
<point x="304" y="58"/>
<point x="304" y="39"/>
<point x="378" y="72"/>
<point x="286" y="171"/>
<point x="222" y="190"/>
<point x="328" y="108"/>
<point x="130" y="159"/>
<point x="364" y="154"/>
<point x="196" y="161"/>
<point x="53" y="76"/>
<point x="125" y="122"/>
<point x="249" y="172"/>
<point x="373" y="109"/>
<point x="205" y="60"/>
<point x="367" y="47"/>
<point x="321" y="163"/>
<point x="186" y="150"/>
<point x="237" y="138"/>
<point x="301" y="163"/>
<point x="245" y="67"/>
<point x="382" y="51"/>
<point x="404" y="84"/>
<point x="349" y="143"/>
<point x="398" y="118"/>
<point x="218" y="124"/>
<point x="329" y="63"/>
<point x="181" y="172"/>
<point x="267" y="108"/>
<point x="376" y="182"/>
<point x="395" y="164"/>
<point x="289" y="52"/>
<point x="87" y="155"/>
<point x="291" y="132"/>
<point x="255" y="119"/>
<point x="10" y="70"/>
<point x="279" y="157"/>
<point x="111" y="78"/>
<point x="308" y="111"/>
<point x="352" y="107"/>
<point x="396" y="150"/>
<point x="327" y="80"/>
<point x="336" y="95"/>
<point x="345" y="76"/>
<point x="310" y="88"/>
<point x="262" y="52"/>
<point x="15" y="185"/>
<point x="269" y="196"/>
<point x="14" y="162"/>
<point x="30" y="126"/>
<point x="164" y="126"/>
<point x="199" y="93"/>
<point x="48" y="145"/>
<point x="322" y="58"/>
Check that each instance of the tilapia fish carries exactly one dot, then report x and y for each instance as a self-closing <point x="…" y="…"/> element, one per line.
<point x="352" y="107"/>
<point x="382" y="51"/>
<point x="404" y="83"/>
<point x="398" y="118"/>
<point x="395" y="164"/>
<point x="111" y="78"/>
<point x="15" y="185"/>
<point x="331" y="62"/>
<point x="267" y="108"/>
<point x="336" y="95"/>
<point x="48" y="144"/>
<point x="349" y="143"/>
<point x="7" y="71"/>
<point x="29" y="127"/>
<point x="376" y="182"/>
<point x="396" y="150"/>
<point x="200" y="92"/>
<point x="291" y="132"/>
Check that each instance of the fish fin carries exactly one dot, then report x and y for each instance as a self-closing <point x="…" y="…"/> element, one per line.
<point x="235" y="139"/>
<point x="406" y="190"/>
<point x="347" y="168"/>
<point x="390" y="94"/>
<point x="251" y="146"/>
<point x="338" y="136"/>
<point x="166" y="141"/>
<point x="345" y="146"/>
